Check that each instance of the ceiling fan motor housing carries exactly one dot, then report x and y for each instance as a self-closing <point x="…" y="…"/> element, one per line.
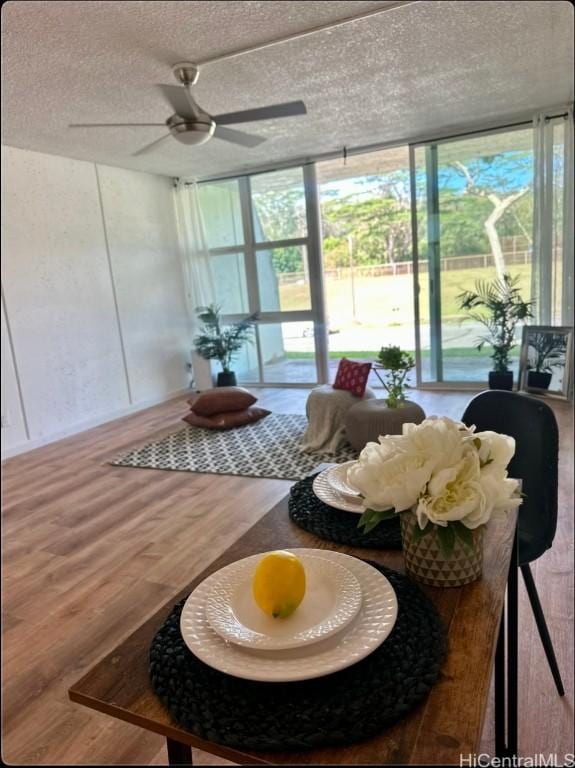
<point x="191" y="132"/>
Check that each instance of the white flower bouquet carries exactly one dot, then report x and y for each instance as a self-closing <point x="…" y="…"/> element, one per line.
<point x="452" y="478"/>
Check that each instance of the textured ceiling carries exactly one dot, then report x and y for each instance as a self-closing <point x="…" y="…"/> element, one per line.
<point x="409" y="71"/>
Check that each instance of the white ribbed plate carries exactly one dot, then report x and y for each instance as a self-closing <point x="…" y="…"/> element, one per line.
<point x="324" y="487"/>
<point x="337" y="477"/>
<point x="368" y="630"/>
<point x="332" y="599"/>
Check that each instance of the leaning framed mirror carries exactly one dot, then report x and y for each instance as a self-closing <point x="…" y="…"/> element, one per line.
<point x="546" y="361"/>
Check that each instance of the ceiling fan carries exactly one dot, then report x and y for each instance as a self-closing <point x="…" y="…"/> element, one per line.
<point x="190" y="124"/>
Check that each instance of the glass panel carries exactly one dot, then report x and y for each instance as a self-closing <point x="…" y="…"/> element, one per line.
<point x="221" y="213"/>
<point x="283" y="279"/>
<point x="423" y="266"/>
<point x="486" y="218"/>
<point x="288" y="353"/>
<point x="278" y="200"/>
<point x="229" y="279"/>
<point x="245" y="364"/>
<point x="475" y="216"/>
<point x="366" y="222"/>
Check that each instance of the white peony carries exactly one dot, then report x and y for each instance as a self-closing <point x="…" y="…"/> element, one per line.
<point x="440" y="440"/>
<point x="455" y="493"/>
<point x="387" y="478"/>
<point x="440" y="469"/>
<point x="495" y="449"/>
<point x="502" y="491"/>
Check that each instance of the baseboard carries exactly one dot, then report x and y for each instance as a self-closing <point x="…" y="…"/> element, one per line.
<point x="30" y="445"/>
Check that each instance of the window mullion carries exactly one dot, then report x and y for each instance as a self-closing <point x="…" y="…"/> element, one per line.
<point x="249" y="252"/>
<point x="250" y="262"/>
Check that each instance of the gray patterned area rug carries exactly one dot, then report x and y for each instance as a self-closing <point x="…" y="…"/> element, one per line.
<point x="268" y="448"/>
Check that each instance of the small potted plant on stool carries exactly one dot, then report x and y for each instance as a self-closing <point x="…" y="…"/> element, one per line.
<point x="499" y="307"/>
<point x="221" y="342"/>
<point x="369" y="419"/>
<point x="398" y="364"/>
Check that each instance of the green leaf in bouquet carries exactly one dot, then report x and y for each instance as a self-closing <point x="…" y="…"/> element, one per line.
<point x="419" y="533"/>
<point x="463" y="532"/>
<point x="372" y="517"/>
<point x="446" y="539"/>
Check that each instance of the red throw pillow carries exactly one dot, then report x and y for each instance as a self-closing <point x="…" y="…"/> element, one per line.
<point x="221" y="400"/>
<point x="227" y="420"/>
<point x="352" y="376"/>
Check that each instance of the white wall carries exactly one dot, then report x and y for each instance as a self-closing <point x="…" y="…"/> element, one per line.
<point x="92" y="293"/>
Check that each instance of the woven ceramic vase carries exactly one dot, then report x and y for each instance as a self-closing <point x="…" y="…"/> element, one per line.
<point x="425" y="562"/>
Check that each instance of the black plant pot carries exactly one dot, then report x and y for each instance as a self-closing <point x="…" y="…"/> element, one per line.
<point x="501" y="380"/>
<point x="227" y="379"/>
<point x="538" y="379"/>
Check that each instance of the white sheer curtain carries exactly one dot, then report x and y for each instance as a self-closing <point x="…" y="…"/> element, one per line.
<point x="542" y="232"/>
<point x="553" y="219"/>
<point x="194" y="256"/>
<point x="193" y="247"/>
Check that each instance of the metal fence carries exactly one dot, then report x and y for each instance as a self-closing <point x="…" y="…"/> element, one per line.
<point x="475" y="261"/>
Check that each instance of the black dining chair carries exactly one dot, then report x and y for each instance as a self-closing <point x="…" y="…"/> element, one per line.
<point x="532" y="423"/>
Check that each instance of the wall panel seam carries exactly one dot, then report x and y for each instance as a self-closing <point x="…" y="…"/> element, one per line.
<point x="15" y="364"/>
<point x="113" y="284"/>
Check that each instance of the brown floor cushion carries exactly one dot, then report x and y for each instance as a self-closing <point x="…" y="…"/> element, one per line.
<point x="221" y="400"/>
<point x="228" y="419"/>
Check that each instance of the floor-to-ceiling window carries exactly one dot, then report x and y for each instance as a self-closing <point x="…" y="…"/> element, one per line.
<point x="367" y="254"/>
<point x="225" y="236"/>
<point x="474" y="199"/>
<point x="404" y="232"/>
<point x="262" y="260"/>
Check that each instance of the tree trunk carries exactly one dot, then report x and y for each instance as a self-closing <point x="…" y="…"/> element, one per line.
<point x="499" y="208"/>
<point x="500" y="205"/>
<point x="494" y="241"/>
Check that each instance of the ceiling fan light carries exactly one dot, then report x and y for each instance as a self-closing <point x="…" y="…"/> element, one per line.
<point x="193" y="133"/>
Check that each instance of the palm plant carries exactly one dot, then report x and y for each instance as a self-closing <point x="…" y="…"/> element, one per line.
<point x="221" y="342"/>
<point x="503" y="308"/>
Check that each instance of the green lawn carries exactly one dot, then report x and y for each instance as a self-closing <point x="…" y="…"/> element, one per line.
<point x="372" y="354"/>
<point x="388" y="300"/>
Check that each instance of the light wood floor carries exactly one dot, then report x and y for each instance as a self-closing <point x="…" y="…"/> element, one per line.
<point x="90" y="551"/>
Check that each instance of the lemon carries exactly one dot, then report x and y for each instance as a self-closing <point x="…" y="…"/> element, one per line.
<point x="278" y="586"/>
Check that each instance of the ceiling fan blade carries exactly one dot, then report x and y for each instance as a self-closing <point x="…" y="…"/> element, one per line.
<point x="238" y="137"/>
<point x="178" y="98"/>
<point x="116" y="125"/>
<point x="151" y="146"/>
<point x="287" y="109"/>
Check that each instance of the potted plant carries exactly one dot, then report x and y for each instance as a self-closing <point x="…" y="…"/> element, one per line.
<point x="221" y="342"/>
<point x="545" y="351"/>
<point x="446" y="482"/>
<point x="370" y="418"/>
<point x="498" y="306"/>
<point x="398" y="364"/>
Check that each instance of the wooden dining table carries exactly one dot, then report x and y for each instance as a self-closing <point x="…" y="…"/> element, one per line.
<point x="481" y="629"/>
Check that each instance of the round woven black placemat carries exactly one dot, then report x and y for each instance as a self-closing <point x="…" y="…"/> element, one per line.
<point x="341" y="708"/>
<point x="311" y="514"/>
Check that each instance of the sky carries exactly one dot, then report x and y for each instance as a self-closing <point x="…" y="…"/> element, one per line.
<point x="506" y="172"/>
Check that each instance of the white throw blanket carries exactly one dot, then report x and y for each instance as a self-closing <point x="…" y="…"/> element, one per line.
<point x="325" y="409"/>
